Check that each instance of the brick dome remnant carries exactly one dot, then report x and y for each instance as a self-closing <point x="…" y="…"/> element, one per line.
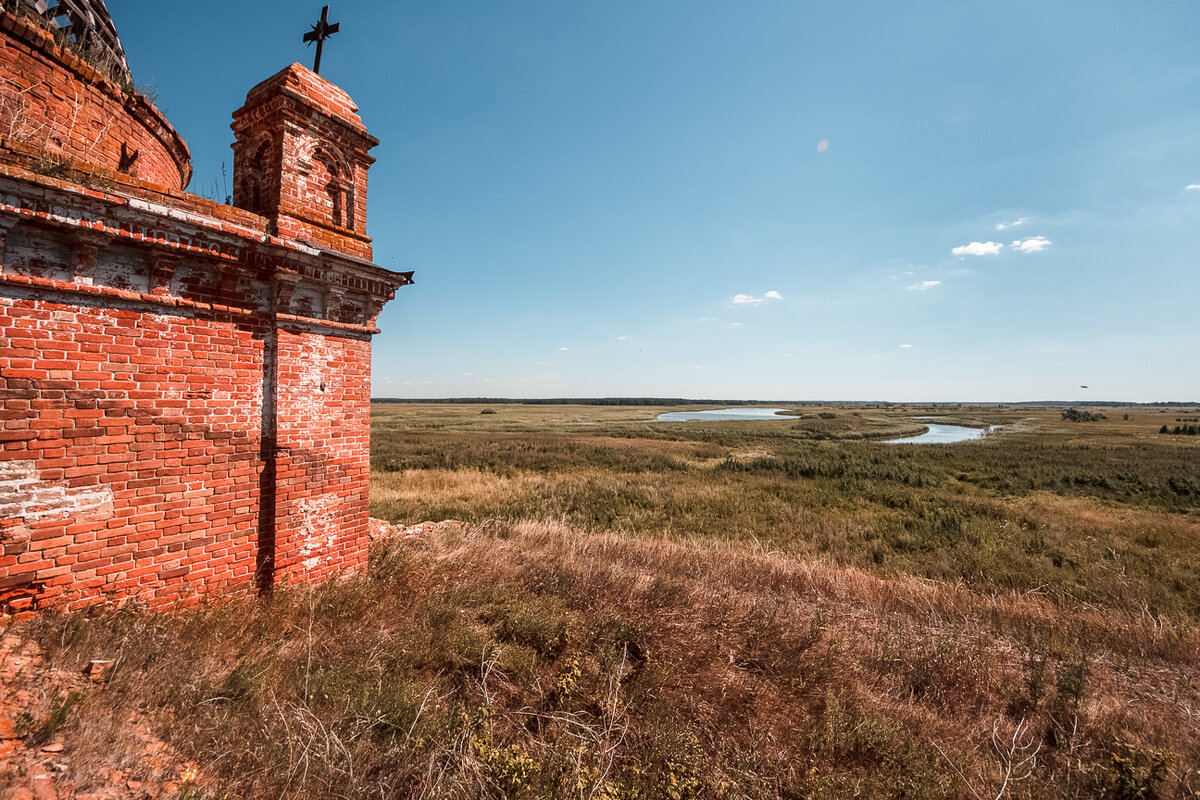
<point x="85" y="24"/>
<point x="66" y="109"/>
<point x="184" y="385"/>
<point x="88" y="27"/>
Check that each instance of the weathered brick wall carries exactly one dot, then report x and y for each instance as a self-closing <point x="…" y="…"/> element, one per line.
<point x="134" y="439"/>
<point x="55" y="107"/>
<point x="323" y="436"/>
<point x="185" y="401"/>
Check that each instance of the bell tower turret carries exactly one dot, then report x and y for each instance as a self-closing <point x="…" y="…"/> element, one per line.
<point x="301" y="160"/>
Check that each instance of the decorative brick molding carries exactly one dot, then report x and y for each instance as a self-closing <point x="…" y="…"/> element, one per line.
<point x="185" y="386"/>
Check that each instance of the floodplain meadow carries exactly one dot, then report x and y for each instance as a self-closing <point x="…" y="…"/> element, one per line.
<point x="1098" y="512"/>
<point x="612" y="607"/>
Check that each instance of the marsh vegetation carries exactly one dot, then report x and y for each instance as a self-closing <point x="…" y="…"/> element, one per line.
<point x="1104" y="515"/>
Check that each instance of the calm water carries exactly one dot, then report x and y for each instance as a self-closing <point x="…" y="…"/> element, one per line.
<point x="937" y="434"/>
<point x="943" y="434"/>
<point x="723" y="414"/>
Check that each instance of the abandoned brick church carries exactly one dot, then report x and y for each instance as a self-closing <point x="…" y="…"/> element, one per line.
<point x="184" y="385"/>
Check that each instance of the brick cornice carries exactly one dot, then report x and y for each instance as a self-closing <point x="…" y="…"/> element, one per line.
<point x="124" y="296"/>
<point x="168" y="229"/>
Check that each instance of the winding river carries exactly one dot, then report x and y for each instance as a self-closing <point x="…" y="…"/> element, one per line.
<point x="938" y="433"/>
<point x="943" y="434"/>
<point x="724" y="414"/>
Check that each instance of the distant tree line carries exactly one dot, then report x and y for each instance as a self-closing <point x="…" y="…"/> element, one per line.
<point x="1181" y="430"/>
<point x="1075" y="415"/>
<point x="685" y="401"/>
<point x="565" y="401"/>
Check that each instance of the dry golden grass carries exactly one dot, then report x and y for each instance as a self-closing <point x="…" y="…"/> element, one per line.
<point x="541" y="660"/>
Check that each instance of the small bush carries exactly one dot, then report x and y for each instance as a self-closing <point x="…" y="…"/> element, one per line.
<point x="1075" y="415"/>
<point x="1181" y="430"/>
<point x="1134" y="775"/>
<point x="1071" y="682"/>
<point x="540" y="624"/>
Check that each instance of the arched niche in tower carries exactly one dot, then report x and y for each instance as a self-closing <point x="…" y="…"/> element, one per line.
<point x="253" y="172"/>
<point x="329" y="185"/>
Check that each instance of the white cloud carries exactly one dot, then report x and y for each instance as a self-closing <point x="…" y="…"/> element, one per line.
<point x="1191" y="187"/>
<point x="562" y="349"/>
<point x="921" y="286"/>
<point x="1016" y="223"/>
<point x="735" y="324"/>
<point x="622" y="338"/>
<point x="1034" y="244"/>
<point x="978" y="249"/>
<point x="906" y="347"/>
<point x="750" y="300"/>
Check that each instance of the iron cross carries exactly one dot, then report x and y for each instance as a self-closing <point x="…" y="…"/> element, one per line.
<point x="319" y="33"/>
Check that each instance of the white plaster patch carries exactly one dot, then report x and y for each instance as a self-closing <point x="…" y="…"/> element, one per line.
<point x="123" y="267"/>
<point x="24" y="495"/>
<point x="255" y="291"/>
<point x="316" y="531"/>
<point x="307" y="393"/>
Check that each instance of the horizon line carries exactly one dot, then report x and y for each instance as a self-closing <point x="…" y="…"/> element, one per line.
<point x="652" y="400"/>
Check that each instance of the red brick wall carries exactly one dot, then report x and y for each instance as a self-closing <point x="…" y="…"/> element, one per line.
<point x="133" y="460"/>
<point x="55" y="106"/>
<point x="184" y="404"/>
<point x="132" y="444"/>
<point x="324" y="438"/>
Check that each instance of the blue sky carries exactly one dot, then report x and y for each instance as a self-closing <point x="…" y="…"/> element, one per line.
<point x="957" y="201"/>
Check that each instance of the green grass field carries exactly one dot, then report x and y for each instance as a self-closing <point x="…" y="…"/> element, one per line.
<point x="618" y="608"/>
<point x="1103" y="512"/>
